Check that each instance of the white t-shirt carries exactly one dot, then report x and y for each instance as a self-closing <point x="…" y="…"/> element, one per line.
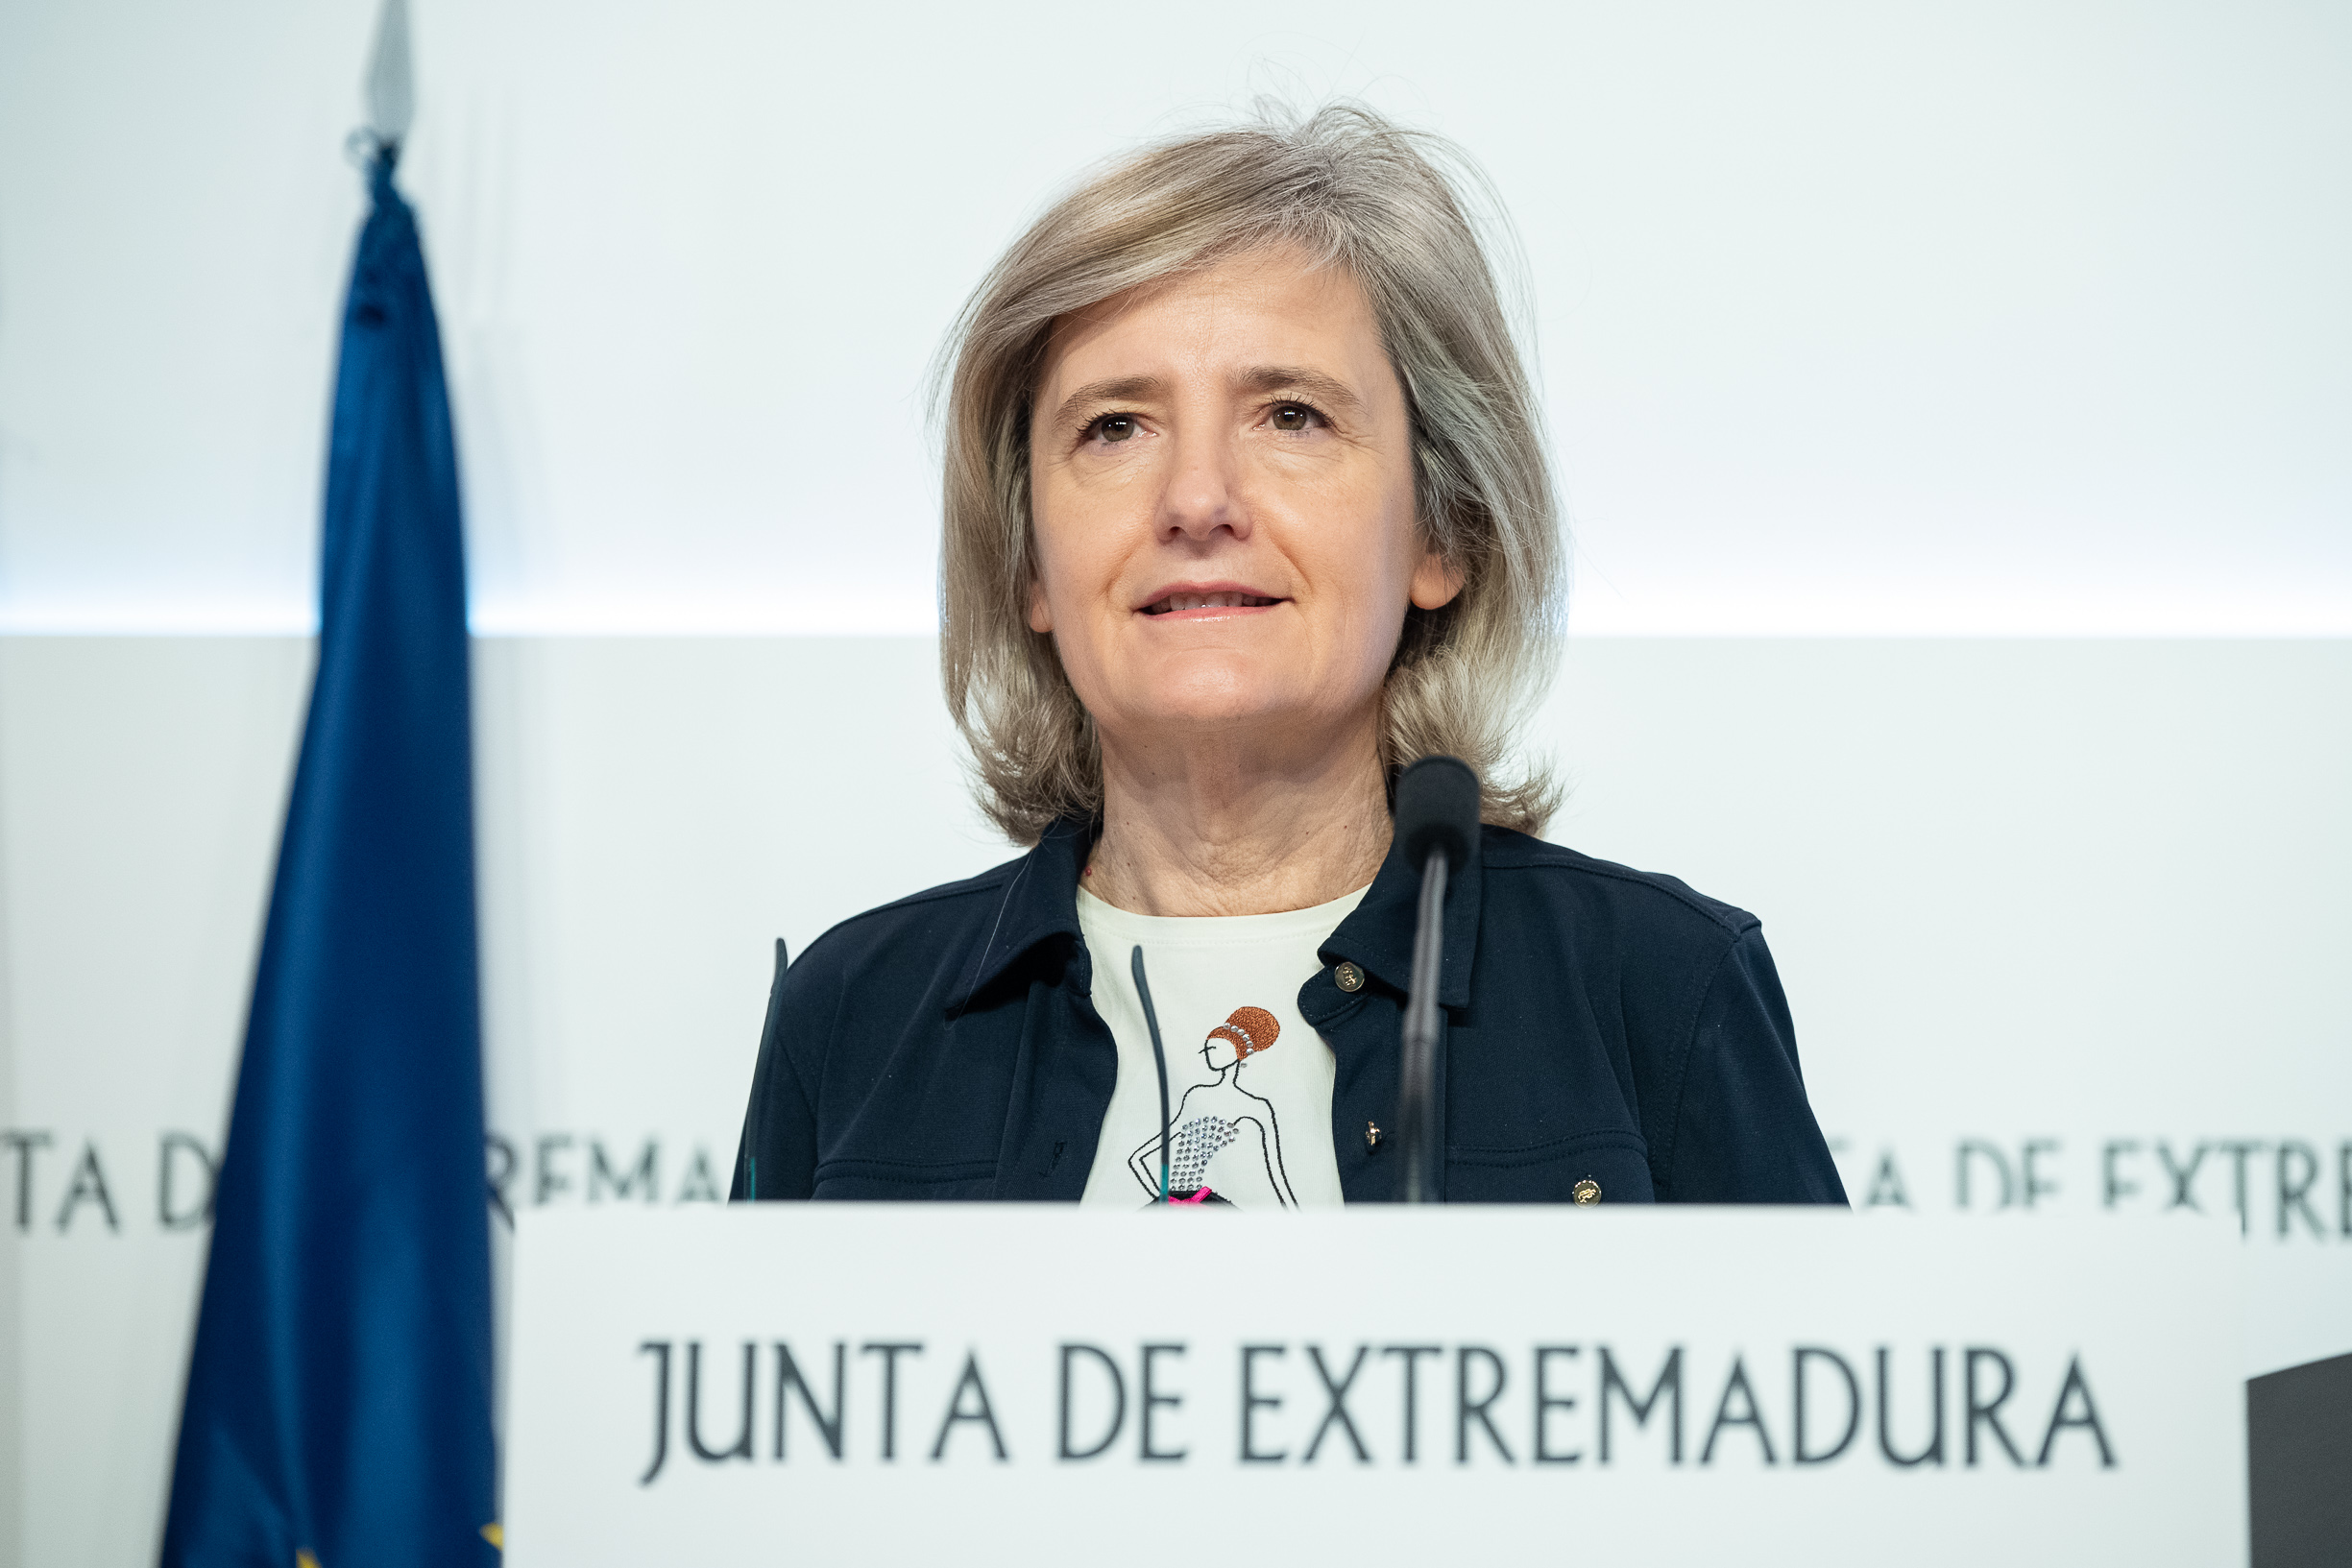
<point x="1249" y="1080"/>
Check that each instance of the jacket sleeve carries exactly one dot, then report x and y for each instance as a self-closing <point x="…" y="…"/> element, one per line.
<point x="1744" y="1131"/>
<point x="777" y="1158"/>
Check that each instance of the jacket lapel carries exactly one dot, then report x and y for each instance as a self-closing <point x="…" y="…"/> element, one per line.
<point x="1366" y="1028"/>
<point x="1065" y="1063"/>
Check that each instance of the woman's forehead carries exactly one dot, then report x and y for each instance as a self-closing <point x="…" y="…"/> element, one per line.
<point x="1270" y="310"/>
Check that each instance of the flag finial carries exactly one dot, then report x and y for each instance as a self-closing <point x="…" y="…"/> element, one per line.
<point x="391" y="86"/>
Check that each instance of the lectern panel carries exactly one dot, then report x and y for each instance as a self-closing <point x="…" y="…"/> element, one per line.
<point x="880" y="1384"/>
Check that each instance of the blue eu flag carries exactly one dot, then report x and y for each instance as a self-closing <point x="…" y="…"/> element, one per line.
<point x="338" y="1398"/>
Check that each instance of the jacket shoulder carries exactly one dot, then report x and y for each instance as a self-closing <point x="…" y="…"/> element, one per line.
<point x="926" y="921"/>
<point x="1533" y="867"/>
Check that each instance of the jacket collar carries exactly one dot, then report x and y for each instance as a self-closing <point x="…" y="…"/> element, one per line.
<point x="1040" y="903"/>
<point x="1379" y="934"/>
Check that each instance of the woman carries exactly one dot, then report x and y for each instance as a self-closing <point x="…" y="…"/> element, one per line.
<point x="1247" y="507"/>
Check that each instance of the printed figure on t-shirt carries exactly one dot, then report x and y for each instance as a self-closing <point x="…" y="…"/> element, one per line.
<point x="1225" y="1145"/>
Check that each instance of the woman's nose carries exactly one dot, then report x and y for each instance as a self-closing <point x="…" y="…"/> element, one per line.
<point x="1201" y="495"/>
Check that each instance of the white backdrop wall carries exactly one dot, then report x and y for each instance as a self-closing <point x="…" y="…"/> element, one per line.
<point x="2034" y="902"/>
<point x="1999" y="317"/>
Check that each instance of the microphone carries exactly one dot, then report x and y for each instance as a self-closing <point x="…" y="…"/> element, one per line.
<point x="1436" y="822"/>
<point x="1159" y="1061"/>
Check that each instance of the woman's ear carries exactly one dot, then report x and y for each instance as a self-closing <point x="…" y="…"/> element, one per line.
<point x="1040" y="613"/>
<point x="1435" y="583"/>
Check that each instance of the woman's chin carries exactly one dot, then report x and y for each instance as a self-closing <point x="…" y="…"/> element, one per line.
<point x="1228" y="712"/>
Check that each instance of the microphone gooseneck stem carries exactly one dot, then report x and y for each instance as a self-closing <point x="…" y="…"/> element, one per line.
<point x="1159" y="1061"/>
<point x="1418" y="1066"/>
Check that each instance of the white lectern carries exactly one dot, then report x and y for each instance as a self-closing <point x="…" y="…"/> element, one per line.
<point x="854" y="1383"/>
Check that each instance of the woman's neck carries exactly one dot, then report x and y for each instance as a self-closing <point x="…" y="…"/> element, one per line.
<point x="1201" y="832"/>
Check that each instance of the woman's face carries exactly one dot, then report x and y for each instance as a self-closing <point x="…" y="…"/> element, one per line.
<point x="1222" y="482"/>
<point x="1218" y="1051"/>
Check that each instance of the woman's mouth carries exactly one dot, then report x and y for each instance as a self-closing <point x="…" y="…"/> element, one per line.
<point x="1176" y="603"/>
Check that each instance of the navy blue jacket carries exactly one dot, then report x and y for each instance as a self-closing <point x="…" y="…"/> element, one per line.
<point x="1598" y="1023"/>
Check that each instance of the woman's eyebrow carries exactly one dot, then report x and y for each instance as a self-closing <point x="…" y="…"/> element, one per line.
<point x="1335" y="395"/>
<point x="1121" y="389"/>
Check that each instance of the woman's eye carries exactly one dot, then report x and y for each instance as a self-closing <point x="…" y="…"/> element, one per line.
<point x="1115" y="426"/>
<point x="1292" y="416"/>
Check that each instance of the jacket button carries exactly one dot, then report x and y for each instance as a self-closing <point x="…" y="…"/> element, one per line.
<point x="1349" y="977"/>
<point x="1371" y="1135"/>
<point x="1587" y="1190"/>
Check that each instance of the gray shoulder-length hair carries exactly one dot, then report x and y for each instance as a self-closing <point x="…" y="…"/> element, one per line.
<point x="1349" y="190"/>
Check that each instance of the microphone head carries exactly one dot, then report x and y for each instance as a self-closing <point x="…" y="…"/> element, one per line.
<point x="1437" y="810"/>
